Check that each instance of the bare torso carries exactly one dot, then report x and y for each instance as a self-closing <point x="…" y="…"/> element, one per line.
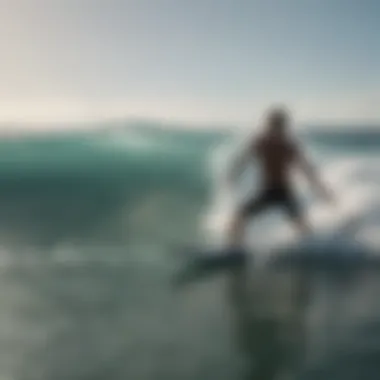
<point x="276" y="158"/>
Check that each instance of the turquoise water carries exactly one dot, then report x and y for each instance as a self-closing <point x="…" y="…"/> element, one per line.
<point x="90" y="224"/>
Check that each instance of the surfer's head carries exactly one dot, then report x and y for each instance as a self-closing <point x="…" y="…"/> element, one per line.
<point x="277" y="121"/>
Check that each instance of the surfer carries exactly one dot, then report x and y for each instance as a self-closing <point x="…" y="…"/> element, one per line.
<point x="276" y="153"/>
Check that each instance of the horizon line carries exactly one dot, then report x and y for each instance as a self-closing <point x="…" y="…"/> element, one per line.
<point x="58" y="126"/>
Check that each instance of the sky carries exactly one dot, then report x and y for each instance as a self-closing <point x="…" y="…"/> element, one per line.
<point x="192" y="60"/>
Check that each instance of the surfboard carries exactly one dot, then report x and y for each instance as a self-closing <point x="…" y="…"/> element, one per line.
<point x="202" y="262"/>
<point x="197" y="264"/>
<point x="328" y="259"/>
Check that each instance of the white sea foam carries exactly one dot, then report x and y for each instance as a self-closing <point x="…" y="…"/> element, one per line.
<point x="353" y="220"/>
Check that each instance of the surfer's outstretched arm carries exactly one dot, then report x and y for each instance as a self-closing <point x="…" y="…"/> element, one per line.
<point x="238" y="164"/>
<point x="312" y="176"/>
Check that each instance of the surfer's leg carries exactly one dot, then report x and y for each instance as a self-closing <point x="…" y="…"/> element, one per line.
<point x="236" y="230"/>
<point x="302" y="225"/>
<point x="239" y="221"/>
<point x="296" y="214"/>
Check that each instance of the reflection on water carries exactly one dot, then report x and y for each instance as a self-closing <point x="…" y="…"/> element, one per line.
<point x="107" y="319"/>
<point x="269" y="316"/>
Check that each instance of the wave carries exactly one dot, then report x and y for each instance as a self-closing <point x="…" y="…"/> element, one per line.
<point x="155" y="183"/>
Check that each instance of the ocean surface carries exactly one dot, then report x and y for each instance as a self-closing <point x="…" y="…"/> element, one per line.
<point x="91" y="227"/>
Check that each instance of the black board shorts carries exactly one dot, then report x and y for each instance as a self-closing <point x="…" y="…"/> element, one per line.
<point x="282" y="197"/>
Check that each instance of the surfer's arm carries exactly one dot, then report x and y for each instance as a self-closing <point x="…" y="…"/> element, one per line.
<point x="313" y="177"/>
<point x="240" y="162"/>
<point x="238" y="165"/>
